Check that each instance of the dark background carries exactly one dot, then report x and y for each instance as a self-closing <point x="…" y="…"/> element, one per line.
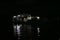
<point x="48" y="11"/>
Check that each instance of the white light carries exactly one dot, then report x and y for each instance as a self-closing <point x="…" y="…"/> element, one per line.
<point x="18" y="27"/>
<point x="18" y="15"/>
<point x="38" y="17"/>
<point x="14" y="16"/>
<point x="14" y="26"/>
<point x="29" y="18"/>
<point x="25" y="19"/>
<point x="38" y="30"/>
<point x="14" y="29"/>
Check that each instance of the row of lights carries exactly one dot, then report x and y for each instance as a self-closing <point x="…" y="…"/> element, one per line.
<point x="29" y="17"/>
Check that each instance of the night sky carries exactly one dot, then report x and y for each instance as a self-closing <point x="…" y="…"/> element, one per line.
<point x="48" y="11"/>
